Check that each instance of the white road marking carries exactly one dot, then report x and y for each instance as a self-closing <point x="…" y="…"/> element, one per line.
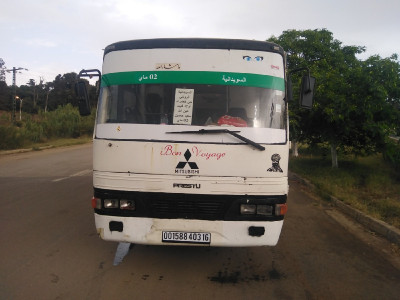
<point x="80" y="173"/>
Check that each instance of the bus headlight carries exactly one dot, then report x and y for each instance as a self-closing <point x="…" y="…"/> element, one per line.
<point x="264" y="210"/>
<point x="111" y="203"/>
<point x="248" y="209"/>
<point x="127" y="204"/>
<point x="256" y="209"/>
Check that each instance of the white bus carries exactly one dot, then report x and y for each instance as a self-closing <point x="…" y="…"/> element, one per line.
<point x="191" y="143"/>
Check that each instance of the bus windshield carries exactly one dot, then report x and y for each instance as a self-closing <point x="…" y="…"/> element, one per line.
<point x="192" y="104"/>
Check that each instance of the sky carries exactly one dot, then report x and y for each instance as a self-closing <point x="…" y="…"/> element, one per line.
<point x="51" y="37"/>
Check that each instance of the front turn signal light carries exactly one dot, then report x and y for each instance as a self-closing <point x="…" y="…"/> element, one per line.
<point x="281" y="209"/>
<point x="96" y="203"/>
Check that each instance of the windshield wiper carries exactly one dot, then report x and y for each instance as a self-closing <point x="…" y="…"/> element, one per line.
<point x="216" y="131"/>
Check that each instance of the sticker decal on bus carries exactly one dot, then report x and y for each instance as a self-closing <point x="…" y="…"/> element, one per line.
<point x="196" y="151"/>
<point x="275" y="158"/>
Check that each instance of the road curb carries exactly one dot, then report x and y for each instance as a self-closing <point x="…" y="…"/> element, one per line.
<point x="390" y="232"/>
<point x="6" y="152"/>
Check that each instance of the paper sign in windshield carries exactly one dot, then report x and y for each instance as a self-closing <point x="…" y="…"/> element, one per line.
<point x="183" y="109"/>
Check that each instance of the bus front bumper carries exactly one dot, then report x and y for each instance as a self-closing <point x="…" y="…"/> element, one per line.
<point x="150" y="231"/>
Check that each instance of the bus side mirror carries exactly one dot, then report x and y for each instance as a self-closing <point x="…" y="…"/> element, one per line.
<point x="307" y="91"/>
<point x="83" y="98"/>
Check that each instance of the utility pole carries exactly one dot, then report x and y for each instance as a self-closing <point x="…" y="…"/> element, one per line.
<point x="14" y="104"/>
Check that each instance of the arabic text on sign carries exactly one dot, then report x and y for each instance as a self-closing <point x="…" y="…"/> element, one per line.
<point x="233" y="80"/>
<point x="149" y="77"/>
<point x="183" y="109"/>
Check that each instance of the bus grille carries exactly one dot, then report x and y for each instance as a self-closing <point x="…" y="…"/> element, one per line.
<point x="188" y="209"/>
<point x="187" y="206"/>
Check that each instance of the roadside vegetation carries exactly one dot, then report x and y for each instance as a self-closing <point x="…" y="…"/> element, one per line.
<point x="45" y="129"/>
<point x="368" y="183"/>
<point x="356" y="102"/>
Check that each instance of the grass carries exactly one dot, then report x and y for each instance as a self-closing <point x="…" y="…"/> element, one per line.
<point x="63" y="142"/>
<point x="366" y="183"/>
<point x="54" y="143"/>
<point x="63" y="123"/>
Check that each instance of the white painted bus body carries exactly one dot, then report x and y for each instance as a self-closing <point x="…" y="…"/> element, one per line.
<point x="188" y="187"/>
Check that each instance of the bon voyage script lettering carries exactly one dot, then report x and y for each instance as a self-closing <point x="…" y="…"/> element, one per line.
<point x="197" y="152"/>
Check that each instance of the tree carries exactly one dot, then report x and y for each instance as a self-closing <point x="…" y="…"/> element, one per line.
<point x="4" y="90"/>
<point x="63" y="91"/>
<point x="47" y="96"/>
<point x="2" y="70"/>
<point x="49" y="86"/>
<point x="382" y="81"/>
<point x="345" y="112"/>
<point x="5" y="99"/>
<point x="32" y="84"/>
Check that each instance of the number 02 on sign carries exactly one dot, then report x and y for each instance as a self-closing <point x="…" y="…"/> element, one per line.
<point x="186" y="237"/>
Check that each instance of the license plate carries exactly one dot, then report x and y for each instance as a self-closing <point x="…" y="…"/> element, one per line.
<point x="186" y="237"/>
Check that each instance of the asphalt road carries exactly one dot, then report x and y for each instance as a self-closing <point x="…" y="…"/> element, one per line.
<point x="49" y="248"/>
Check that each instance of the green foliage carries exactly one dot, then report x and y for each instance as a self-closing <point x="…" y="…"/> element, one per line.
<point x="2" y="70"/>
<point x="357" y="103"/>
<point x="392" y="154"/>
<point x="5" y="96"/>
<point x="64" y="122"/>
<point x="11" y="137"/>
<point x="49" y="111"/>
<point x="87" y="124"/>
<point x="36" y="131"/>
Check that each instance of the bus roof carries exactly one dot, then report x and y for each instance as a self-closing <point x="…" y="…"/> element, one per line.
<point x="195" y="43"/>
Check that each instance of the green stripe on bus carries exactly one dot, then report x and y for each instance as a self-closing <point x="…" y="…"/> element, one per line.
<point x="194" y="77"/>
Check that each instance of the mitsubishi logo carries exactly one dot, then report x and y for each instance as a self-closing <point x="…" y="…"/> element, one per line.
<point x="183" y="164"/>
